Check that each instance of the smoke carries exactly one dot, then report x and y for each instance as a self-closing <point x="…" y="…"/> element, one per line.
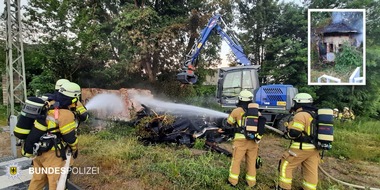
<point x="110" y="103"/>
<point x="178" y="109"/>
<point x="353" y="20"/>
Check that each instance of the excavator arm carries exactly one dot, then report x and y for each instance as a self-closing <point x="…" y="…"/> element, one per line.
<point x="187" y="76"/>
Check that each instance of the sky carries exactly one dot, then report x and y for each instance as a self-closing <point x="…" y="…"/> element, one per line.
<point x="2" y="5"/>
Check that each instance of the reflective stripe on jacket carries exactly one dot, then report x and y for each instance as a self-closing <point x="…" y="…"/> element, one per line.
<point x="235" y="119"/>
<point x="301" y="122"/>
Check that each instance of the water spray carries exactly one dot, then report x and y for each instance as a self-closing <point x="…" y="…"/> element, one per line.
<point x="111" y="103"/>
<point x="178" y="109"/>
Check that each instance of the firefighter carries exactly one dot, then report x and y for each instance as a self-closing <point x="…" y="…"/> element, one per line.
<point x="301" y="151"/>
<point x="347" y="114"/>
<point x="59" y="135"/>
<point x="336" y="113"/>
<point x="242" y="148"/>
<point x="79" y="110"/>
<point x="59" y="83"/>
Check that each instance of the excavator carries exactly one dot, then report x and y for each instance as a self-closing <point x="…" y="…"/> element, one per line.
<point x="275" y="101"/>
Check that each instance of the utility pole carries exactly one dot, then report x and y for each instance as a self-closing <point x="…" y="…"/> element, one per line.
<point x="15" y="66"/>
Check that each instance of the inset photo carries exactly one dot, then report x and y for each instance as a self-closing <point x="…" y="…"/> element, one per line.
<point x="336" y="47"/>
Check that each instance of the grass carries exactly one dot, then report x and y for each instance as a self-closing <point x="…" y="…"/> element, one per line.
<point x="3" y="115"/>
<point x="153" y="167"/>
<point x="344" y="75"/>
<point x="357" y="140"/>
<point x="125" y="163"/>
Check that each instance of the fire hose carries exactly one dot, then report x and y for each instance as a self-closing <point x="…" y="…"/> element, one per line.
<point x="323" y="171"/>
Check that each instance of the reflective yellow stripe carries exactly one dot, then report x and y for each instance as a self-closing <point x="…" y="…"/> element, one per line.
<point x="283" y="177"/>
<point x="74" y="143"/>
<point x="286" y="180"/>
<point x="239" y="136"/>
<point x="309" y="185"/>
<point x="254" y="117"/>
<point x="309" y="128"/>
<point x="305" y="146"/>
<point x="81" y="109"/>
<point x="40" y="126"/>
<point x="22" y="131"/>
<point x="250" y="178"/>
<point x="25" y="154"/>
<point x="51" y="125"/>
<point x="283" y="169"/>
<point x="298" y="125"/>
<point x="259" y="136"/>
<point x="67" y="128"/>
<point x="233" y="176"/>
<point x="239" y="122"/>
<point x="325" y="124"/>
<point x="326" y="137"/>
<point x="231" y="120"/>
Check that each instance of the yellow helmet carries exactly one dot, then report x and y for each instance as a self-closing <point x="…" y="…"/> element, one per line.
<point x="70" y="89"/>
<point x="245" y="96"/>
<point x="59" y="83"/>
<point x="303" y="98"/>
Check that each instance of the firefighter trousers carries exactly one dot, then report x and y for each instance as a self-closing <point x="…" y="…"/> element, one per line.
<point x="46" y="169"/>
<point x="248" y="149"/>
<point x="308" y="159"/>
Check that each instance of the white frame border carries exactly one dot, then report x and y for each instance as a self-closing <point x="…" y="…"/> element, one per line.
<point x="309" y="11"/>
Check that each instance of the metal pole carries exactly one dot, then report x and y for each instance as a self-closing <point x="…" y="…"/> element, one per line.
<point x="12" y="124"/>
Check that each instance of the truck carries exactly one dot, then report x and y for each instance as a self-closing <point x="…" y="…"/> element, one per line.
<point x="275" y="101"/>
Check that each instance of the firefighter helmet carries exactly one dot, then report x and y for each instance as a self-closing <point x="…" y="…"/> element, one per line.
<point x="303" y="98"/>
<point x="346" y="108"/>
<point x="70" y="89"/>
<point x="245" y="96"/>
<point x="60" y="82"/>
<point x="336" y="109"/>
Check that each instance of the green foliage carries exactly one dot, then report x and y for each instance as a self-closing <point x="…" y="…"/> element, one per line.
<point x="3" y="116"/>
<point x="348" y="58"/>
<point x="44" y="82"/>
<point x="357" y="140"/>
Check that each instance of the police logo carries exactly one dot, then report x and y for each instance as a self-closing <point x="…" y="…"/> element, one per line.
<point x="13" y="171"/>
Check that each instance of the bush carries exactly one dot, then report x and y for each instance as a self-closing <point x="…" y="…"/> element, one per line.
<point x="348" y="58"/>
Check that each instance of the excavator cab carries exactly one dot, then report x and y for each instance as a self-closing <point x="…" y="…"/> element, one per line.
<point x="232" y="80"/>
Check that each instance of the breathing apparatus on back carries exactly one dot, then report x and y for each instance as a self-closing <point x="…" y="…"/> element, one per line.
<point x="321" y="125"/>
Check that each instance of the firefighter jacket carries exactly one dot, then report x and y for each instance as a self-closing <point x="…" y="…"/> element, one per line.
<point x="60" y="122"/>
<point x="347" y="115"/>
<point x="301" y="123"/>
<point x="236" y="118"/>
<point x="82" y="114"/>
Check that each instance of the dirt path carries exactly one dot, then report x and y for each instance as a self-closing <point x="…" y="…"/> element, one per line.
<point x="5" y="144"/>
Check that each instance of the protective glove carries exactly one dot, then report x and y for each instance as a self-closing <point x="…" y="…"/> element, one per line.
<point x="75" y="154"/>
<point x="259" y="162"/>
<point x="24" y="154"/>
<point x="74" y="151"/>
<point x="258" y="137"/>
